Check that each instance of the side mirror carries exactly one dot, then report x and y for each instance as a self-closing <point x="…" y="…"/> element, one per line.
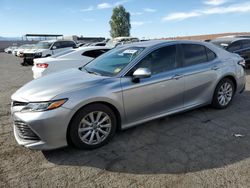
<point x="141" y="73"/>
<point x="54" y="47"/>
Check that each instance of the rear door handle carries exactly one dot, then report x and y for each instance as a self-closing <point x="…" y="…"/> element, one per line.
<point x="177" y="77"/>
<point x="215" y="67"/>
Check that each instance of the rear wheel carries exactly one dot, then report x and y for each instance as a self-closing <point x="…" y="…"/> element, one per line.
<point x="93" y="126"/>
<point x="223" y="94"/>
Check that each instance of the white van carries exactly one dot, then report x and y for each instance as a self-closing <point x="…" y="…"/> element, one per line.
<point x="121" y="40"/>
<point x="46" y="49"/>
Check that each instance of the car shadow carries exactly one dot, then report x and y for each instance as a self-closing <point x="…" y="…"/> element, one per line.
<point x="188" y="142"/>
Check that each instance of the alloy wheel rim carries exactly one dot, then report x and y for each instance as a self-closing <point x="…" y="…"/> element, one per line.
<point x="94" y="128"/>
<point x="225" y="94"/>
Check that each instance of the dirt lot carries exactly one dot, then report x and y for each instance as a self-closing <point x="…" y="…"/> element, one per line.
<point x="193" y="149"/>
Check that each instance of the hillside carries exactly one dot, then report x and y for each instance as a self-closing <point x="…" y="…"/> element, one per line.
<point x="206" y="37"/>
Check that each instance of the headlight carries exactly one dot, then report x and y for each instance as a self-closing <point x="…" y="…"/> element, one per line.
<point x="43" y="106"/>
<point x="39" y="54"/>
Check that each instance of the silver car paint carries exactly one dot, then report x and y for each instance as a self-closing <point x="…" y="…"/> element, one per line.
<point x="136" y="103"/>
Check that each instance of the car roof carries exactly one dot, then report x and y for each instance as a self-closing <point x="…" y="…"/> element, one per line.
<point x="152" y="43"/>
<point x="92" y="48"/>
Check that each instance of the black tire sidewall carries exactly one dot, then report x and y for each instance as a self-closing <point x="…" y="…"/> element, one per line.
<point x="74" y="125"/>
<point x="215" y="102"/>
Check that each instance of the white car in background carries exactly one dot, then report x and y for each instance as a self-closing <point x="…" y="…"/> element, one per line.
<point x="121" y="40"/>
<point x="73" y="58"/>
<point x="46" y="49"/>
<point x="20" y="50"/>
<point x="10" y="49"/>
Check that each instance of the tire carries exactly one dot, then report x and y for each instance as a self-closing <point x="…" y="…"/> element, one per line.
<point x="82" y="129"/>
<point x="225" y="94"/>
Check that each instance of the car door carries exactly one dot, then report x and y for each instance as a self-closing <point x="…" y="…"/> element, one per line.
<point x="201" y="68"/>
<point x="158" y="94"/>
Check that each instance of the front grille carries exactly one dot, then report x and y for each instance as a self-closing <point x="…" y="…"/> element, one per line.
<point x="29" y="55"/>
<point x="24" y="132"/>
<point x="17" y="103"/>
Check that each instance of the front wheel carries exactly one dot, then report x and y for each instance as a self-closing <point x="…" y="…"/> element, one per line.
<point x="223" y="94"/>
<point x="92" y="127"/>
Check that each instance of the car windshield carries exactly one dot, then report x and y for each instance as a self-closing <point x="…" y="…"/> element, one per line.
<point x="113" y="62"/>
<point x="222" y="44"/>
<point x="43" y="45"/>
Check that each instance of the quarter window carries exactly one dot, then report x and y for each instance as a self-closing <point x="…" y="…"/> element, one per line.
<point x="161" y="60"/>
<point x="210" y="55"/>
<point x="194" y="54"/>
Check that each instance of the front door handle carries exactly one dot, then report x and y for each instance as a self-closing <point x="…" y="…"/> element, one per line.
<point x="177" y="77"/>
<point x="215" y="67"/>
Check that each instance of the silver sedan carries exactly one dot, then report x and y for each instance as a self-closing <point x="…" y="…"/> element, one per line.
<point x="127" y="86"/>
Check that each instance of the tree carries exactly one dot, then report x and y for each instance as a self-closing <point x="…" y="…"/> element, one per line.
<point x="120" y="22"/>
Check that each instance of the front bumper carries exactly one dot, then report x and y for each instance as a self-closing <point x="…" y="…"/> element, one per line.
<point x="41" y="130"/>
<point x="29" y="57"/>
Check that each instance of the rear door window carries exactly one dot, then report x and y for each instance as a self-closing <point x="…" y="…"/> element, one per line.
<point x="246" y="44"/>
<point x="194" y="54"/>
<point x="70" y="44"/>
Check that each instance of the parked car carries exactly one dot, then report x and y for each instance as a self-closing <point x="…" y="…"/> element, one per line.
<point x="73" y="58"/>
<point x="240" y="46"/>
<point x="20" y="49"/>
<point x="14" y="51"/>
<point x="46" y="49"/>
<point x="126" y="86"/>
<point x="10" y="49"/>
<point x="120" y="41"/>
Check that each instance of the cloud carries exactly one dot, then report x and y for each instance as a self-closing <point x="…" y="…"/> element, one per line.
<point x="181" y="16"/>
<point x="104" y="5"/>
<point x="215" y="2"/>
<point x="90" y="8"/>
<point x="109" y="5"/>
<point x="121" y="2"/>
<point x="235" y="8"/>
<point x="136" y="13"/>
<point x="149" y="10"/>
<point x="138" y="23"/>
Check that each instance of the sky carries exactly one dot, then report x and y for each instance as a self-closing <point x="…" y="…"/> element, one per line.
<point x="149" y="19"/>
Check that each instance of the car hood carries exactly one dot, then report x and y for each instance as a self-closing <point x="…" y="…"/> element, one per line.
<point x="34" y="50"/>
<point x="48" y="87"/>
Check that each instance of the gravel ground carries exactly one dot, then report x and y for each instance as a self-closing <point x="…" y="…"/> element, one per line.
<point x="193" y="149"/>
